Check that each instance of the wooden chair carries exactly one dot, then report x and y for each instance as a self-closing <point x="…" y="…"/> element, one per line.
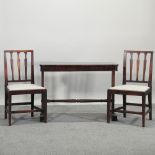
<point x="22" y="84"/>
<point x="128" y="89"/>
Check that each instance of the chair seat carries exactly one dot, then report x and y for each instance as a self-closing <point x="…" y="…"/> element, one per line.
<point x="16" y="87"/>
<point x="135" y="88"/>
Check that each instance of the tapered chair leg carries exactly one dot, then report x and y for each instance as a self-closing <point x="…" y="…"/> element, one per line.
<point x="113" y="103"/>
<point x="45" y="106"/>
<point x="108" y="106"/>
<point x="6" y="101"/>
<point x="32" y="104"/>
<point x="150" y="105"/>
<point x="113" y="116"/>
<point x="43" y="115"/>
<point x="9" y="109"/>
<point x="143" y="110"/>
<point x="124" y="105"/>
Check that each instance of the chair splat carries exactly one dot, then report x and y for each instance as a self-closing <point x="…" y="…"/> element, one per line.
<point x="138" y="62"/>
<point x="131" y="65"/>
<point x="144" y="66"/>
<point x="25" y="62"/>
<point x="18" y="65"/>
<point x="12" y="64"/>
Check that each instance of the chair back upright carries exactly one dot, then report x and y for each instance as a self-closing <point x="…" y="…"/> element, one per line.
<point x="17" y="65"/>
<point x="141" y="62"/>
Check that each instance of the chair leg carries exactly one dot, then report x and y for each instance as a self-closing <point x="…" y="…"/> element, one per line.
<point x="113" y="115"/>
<point x="143" y="110"/>
<point x="108" y="106"/>
<point x="6" y="103"/>
<point x="43" y="115"/>
<point x="150" y="105"/>
<point x="32" y="104"/>
<point x="113" y="103"/>
<point x="124" y="105"/>
<point x="9" y="108"/>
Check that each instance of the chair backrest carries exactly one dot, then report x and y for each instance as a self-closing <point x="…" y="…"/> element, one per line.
<point x="20" y="62"/>
<point x="143" y="62"/>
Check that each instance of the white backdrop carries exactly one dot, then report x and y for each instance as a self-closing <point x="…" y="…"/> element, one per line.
<point x="76" y="30"/>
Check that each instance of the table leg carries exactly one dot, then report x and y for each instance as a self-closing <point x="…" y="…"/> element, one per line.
<point x="42" y="78"/>
<point x="114" y="116"/>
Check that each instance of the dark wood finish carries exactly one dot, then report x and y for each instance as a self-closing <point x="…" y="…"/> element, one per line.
<point x="70" y="67"/>
<point x="9" y="94"/>
<point x="150" y="71"/>
<point x="21" y="103"/>
<point x="32" y="104"/>
<point x="78" y="100"/>
<point x="136" y="81"/>
<point x="124" y="105"/>
<point x="148" y="93"/>
<point x="124" y="68"/>
<point x="9" y="108"/>
<point x="108" y="106"/>
<point x="150" y="105"/>
<point x="32" y="68"/>
<point x="44" y="99"/>
<point x="143" y="110"/>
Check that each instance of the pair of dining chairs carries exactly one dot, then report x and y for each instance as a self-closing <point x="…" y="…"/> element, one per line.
<point x="25" y="84"/>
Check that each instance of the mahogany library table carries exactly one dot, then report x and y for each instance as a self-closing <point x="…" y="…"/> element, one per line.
<point x="79" y="67"/>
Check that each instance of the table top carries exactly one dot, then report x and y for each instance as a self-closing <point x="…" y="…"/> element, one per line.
<point x="78" y="66"/>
